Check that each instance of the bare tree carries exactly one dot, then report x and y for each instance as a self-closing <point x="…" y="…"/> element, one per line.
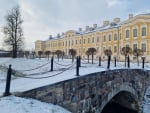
<point x="47" y="53"/>
<point x="26" y="54"/>
<point x="58" y="53"/>
<point x="62" y="55"/>
<point x="93" y="52"/>
<point x="108" y="52"/>
<point x="13" y="30"/>
<point x="88" y="55"/>
<point x="33" y="54"/>
<point x="137" y="53"/>
<point x="126" y="51"/>
<point x="73" y="53"/>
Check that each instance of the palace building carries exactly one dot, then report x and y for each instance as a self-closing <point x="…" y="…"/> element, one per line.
<point x="114" y="35"/>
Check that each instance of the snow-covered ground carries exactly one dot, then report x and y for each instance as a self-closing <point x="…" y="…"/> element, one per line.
<point x="38" y="73"/>
<point x="12" y="104"/>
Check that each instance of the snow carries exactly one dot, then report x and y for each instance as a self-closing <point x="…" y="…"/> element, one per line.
<point x="38" y="71"/>
<point x="146" y="102"/>
<point x="12" y="104"/>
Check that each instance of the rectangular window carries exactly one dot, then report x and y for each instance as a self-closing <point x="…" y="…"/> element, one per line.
<point x="134" y="32"/>
<point x="104" y="38"/>
<point x="80" y="41"/>
<point x="120" y="36"/>
<point x="88" y="40"/>
<point x="76" y="41"/>
<point x="109" y="38"/>
<point x="143" y="47"/>
<point x="97" y="39"/>
<point x="115" y="36"/>
<point x="127" y="33"/>
<point x="84" y="41"/>
<point x="93" y="39"/>
<point x="134" y="47"/>
<point x="127" y="45"/>
<point x="143" y="31"/>
<point x="115" y="49"/>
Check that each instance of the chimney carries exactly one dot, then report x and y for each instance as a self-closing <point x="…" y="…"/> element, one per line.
<point x="130" y="16"/>
<point x="94" y="26"/>
<point x="116" y="20"/>
<point x="58" y="35"/>
<point x="50" y="36"/>
<point x="87" y="28"/>
<point x="62" y="33"/>
<point x="80" y="29"/>
<point x="105" y="23"/>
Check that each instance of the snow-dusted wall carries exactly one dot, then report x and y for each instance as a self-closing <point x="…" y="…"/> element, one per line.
<point x="92" y="92"/>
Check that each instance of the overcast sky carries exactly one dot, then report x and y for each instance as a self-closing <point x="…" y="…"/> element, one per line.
<point x="49" y="17"/>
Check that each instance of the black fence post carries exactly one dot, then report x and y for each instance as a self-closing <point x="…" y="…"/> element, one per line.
<point x="128" y="61"/>
<point x="115" y="61"/>
<point x="99" y="61"/>
<point x="77" y="66"/>
<point x="108" y="65"/>
<point x="79" y="61"/>
<point x="7" y="89"/>
<point x="52" y="60"/>
<point x="143" y="62"/>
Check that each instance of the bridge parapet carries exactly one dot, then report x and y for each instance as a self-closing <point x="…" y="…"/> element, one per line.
<point x="90" y="93"/>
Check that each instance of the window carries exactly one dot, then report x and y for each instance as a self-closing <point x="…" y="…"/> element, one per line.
<point x="115" y="49"/>
<point x="93" y="39"/>
<point x="143" y="47"/>
<point x="134" y="32"/>
<point x="88" y="40"/>
<point x="80" y="41"/>
<point x="143" y="31"/>
<point x="115" y="36"/>
<point x="97" y="39"/>
<point x="127" y="33"/>
<point x="72" y="42"/>
<point x="104" y="38"/>
<point x="69" y="43"/>
<point x="127" y="45"/>
<point x="134" y="47"/>
<point x="84" y="41"/>
<point x="76" y="41"/>
<point x="97" y="49"/>
<point x="120" y="36"/>
<point x="66" y="43"/>
<point x="109" y="38"/>
<point x="103" y="48"/>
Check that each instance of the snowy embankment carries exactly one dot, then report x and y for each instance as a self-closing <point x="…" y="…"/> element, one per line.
<point x="12" y="104"/>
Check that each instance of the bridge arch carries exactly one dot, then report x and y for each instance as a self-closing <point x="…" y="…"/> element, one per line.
<point x="124" y="96"/>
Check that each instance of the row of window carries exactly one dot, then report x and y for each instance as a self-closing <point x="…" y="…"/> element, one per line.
<point x="135" y="32"/>
<point x="135" y="46"/>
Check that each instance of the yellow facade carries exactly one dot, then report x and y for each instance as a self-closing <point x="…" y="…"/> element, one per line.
<point x="133" y="32"/>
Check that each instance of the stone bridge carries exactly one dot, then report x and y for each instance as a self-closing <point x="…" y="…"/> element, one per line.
<point x="93" y="92"/>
